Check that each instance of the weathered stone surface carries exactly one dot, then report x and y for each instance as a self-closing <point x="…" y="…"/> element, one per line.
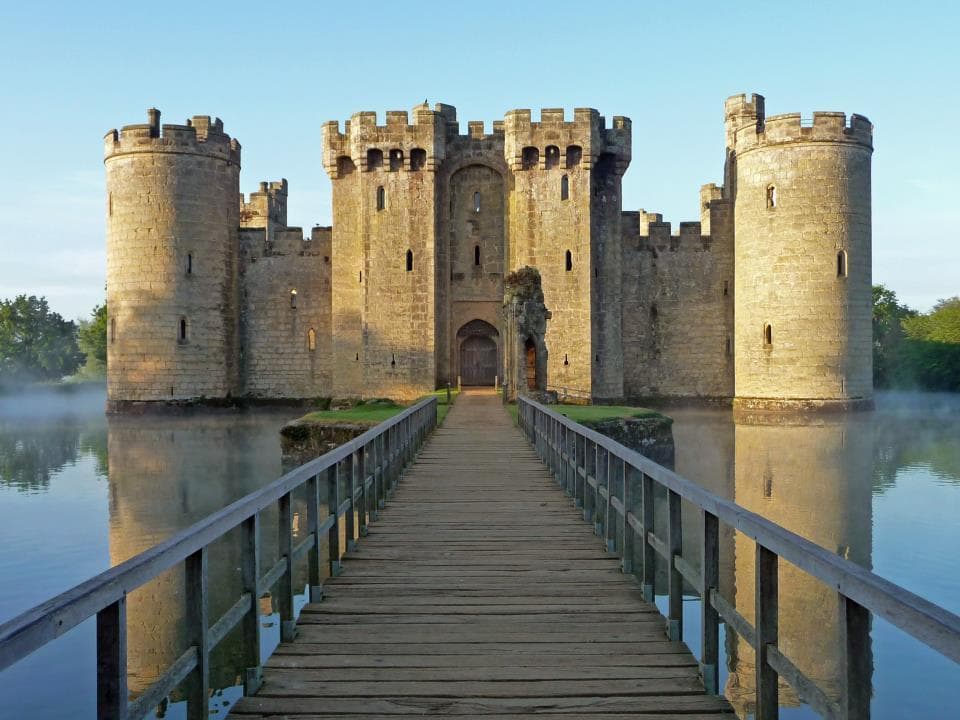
<point x="427" y="223"/>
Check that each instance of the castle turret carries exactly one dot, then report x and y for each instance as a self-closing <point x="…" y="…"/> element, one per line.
<point x="565" y="213"/>
<point x="803" y="257"/>
<point x="172" y="220"/>
<point x="384" y="250"/>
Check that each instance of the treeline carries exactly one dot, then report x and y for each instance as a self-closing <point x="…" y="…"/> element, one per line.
<point x="38" y="345"/>
<point x="914" y="350"/>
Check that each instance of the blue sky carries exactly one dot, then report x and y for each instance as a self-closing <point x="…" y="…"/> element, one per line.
<point x="274" y="72"/>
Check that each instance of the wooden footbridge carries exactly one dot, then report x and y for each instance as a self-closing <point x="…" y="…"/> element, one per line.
<point x="480" y="592"/>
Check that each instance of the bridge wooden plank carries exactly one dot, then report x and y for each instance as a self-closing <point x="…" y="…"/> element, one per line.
<point x="480" y="592"/>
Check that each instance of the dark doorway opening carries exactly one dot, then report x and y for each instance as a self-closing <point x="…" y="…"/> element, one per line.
<point x="478" y="361"/>
<point x="531" y="355"/>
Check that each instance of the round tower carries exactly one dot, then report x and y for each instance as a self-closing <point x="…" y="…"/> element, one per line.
<point x="802" y="258"/>
<point x="173" y="214"/>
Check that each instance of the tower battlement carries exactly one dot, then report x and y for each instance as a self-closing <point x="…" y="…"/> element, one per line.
<point x="266" y="205"/>
<point x="200" y="136"/>
<point x="831" y="127"/>
<point x="582" y="140"/>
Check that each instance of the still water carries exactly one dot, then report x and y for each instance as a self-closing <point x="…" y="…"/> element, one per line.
<point x="80" y="492"/>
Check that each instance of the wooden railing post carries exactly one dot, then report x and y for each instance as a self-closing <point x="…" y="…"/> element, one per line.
<point x="379" y="472"/>
<point x="314" y="572"/>
<point x="766" y="633"/>
<point x="609" y="524"/>
<point x="709" y="619"/>
<point x="198" y="625"/>
<point x="333" y="504"/>
<point x="288" y="625"/>
<point x="589" y="462"/>
<point x="647" y="551"/>
<point x="349" y="489"/>
<point x="364" y="505"/>
<point x="249" y="577"/>
<point x="112" y="661"/>
<point x="675" y="550"/>
<point x="630" y="478"/>
<point x="855" y="660"/>
<point x="580" y="452"/>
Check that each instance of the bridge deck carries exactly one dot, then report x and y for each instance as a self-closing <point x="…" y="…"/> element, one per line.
<point x="481" y="592"/>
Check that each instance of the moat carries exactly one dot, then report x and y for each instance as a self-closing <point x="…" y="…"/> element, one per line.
<point x="80" y="492"/>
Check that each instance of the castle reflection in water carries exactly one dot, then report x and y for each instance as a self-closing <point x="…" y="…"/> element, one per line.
<point x="815" y="478"/>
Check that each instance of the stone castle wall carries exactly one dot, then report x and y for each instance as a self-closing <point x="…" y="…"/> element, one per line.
<point x="285" y="313"/>
<point x="767" y="299"/>
<point x="172" y="219"/>
<point x="678" y="305"/>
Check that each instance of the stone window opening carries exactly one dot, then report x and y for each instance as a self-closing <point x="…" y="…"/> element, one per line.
<point x="110" y="205"/>
<point x="565" y="360"/>
<point x="574" y="154"/>
<point x="409" y="260"/>
<point x="568" y="263"/>
<point x="476" y="255"/>
<point x="552" y="157"/>
<point x="293" y="299"/>
<point x="182" y="331"/>
<point x="396" y="160"/>
<point x="771" y="197"/>
<point x="842" y="264"/>
<point x="381" y="198"/>
<point x="357" y="357"/>
<point x="726" y="288"/>
<point x="597" y="358"/>
<point x="361" y="276"/>
<point x="113" y="330"/>
<point x="768" y="335"/>
<point x="476" y="202"/>
<point x="418" y="159"/>
<point x="565" y="188"/>
<point x="393" y="360"/>
<point x="654" y="313"/>
<point x="374" y="159"/>
<point x="189" y="263"/>
<point x="726" y="348"/>
<point x="311" y="340"/>
<point x="530" y="158"/>
<point x="345" y="165"/>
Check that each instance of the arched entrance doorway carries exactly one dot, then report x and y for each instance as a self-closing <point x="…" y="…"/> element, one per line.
<point x="530" y="353"/>
<point x="478" y="353"/>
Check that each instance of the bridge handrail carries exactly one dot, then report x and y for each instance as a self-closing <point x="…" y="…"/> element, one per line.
<point x="390" y="446"/>
<point x="566" y="446"/>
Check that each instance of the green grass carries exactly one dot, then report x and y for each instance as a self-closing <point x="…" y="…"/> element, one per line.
<point x="372" y="412"/>
<point x="600" y="413"/>
<point x="592" y="413"/>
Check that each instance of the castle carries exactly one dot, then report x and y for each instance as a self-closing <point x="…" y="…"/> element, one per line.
<point x="765" y="302"/>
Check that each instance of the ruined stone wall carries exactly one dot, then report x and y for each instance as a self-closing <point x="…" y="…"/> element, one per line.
<point x="286" y="313"/>
<point x="384" y="214"/>
<point x="803" y="257"/>
<point x="678" y="305"/>
<point x="552" y="226"/>
<point x="172" y="219"/>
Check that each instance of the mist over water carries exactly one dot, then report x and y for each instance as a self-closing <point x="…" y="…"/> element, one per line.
<point x="81" y="491"/>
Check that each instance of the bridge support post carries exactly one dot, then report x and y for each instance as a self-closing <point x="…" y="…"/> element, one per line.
<point x="675" y="579"/>
<point x="112" y="661"/>
<point x="709" y="619"/>
<point x="649" y="569"/>
<point x="313" y="554"/>
<point x="333" y="505"/>
<point x="288" y="623"/>
<point x="768" y="705"/>
<point x="198" y="627"/>
<point x="250" y="575"/>
<point x="856" y="659"/>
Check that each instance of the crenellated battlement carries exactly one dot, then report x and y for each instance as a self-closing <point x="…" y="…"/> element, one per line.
<point x="267" y="206"/>
<point x="398" y="144"/>
<point x="579" y="142"/>
<point x="285" y="242"/>
<point x="821" y="127"/>
<point x="199" y="136"/>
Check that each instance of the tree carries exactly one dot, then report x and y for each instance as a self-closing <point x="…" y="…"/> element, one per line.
<point x="888" y="316"/>
<point x="35" y="343"/>
<point x="931" y="350"/>
<point x="92" y="337"/>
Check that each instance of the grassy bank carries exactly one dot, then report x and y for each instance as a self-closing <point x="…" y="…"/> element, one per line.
<point x="592" y="414"/>
<point x="373" y="412"/>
